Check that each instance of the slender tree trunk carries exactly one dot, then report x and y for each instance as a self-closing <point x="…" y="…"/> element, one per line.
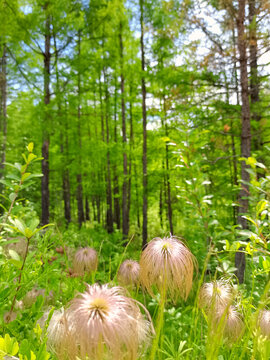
<point x="87" y="209"/>
<point x="168" y="180"/>
<point x="45" y="194"/>
<point x="109" y="212"/>
<point x="79" y="174"/>
<point x="125" y="222"/>
<point x="131" y="148"/>
<point x="145" y="197"/>
<point x="116" y="195"/>
<point x="161" y="206"/>
<point x="3" y="106"/>
<point x="254" y="78"/>
<point x="245" y="134"/>
<point x="63" y="140"/>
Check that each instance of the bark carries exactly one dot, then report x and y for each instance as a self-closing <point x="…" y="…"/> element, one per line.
<point x="3" y="107"/>
<point x="63" y="141"/>
<point x="144" y="162"/>
<point x="254" y="78"/>
<point x="45" y="194"/>
<point x="116" y="195"/>
<point x="125" y="215"/>
<point x="161" y="207"/>
<point x="245" y="134"/>
<point x="109" y="212"/>
<point x="131" y="148"/>
<point x="87" y="210"/>
<point x="79" y="174"/>
<point x="66" y="182"/>
<point x="168" y="180"/>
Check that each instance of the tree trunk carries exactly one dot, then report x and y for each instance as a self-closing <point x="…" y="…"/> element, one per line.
<point x="145" y="198"/>
<point x="125" y="222"/>
<point x="87" y="210"/>
<point x="3" y="106"/>
<point x="254" y="78"/>
<point x="245" y="135"/>
<point x="109" y="212"/>
<point x="45" y="194"/>
<point x="116" y="195"/>
<point x="79" y="174"/>
<point x="131" y="148"/>
<point x="168" y="180"/>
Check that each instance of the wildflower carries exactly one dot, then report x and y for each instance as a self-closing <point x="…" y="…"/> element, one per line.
<point x="264" y="322"/>
<point x="230" y="322"/>
<point x="168" y="264"/>
<point x="106" y="323"/>
<point x="85" y="260"/>
<point x="128" y="273"/>
<point x="215" y="295"/>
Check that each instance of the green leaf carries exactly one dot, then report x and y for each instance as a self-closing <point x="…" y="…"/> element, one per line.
<point x="31" y="157"/>
<point x="25" y="176"/>
<point x="12" y="196"/>
<point x="9" y="345"/>
<point x="14" y="255"/>
<point x="13" y="176"/>
<point x="30" y="147"/>
<point x="17" y="263"/>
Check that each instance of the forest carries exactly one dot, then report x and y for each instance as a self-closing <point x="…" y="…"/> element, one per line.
<point x="134" y="179"/>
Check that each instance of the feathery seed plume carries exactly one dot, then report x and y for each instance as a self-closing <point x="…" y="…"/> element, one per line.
<point x="215" y="295"/>
<point x="231" y="321"/>
<point x="264" y="322"/>
<point x="128" y="273"/>
<point x="106" y="324"/>
<point x="85" y="261"/>
<point x="167" y="262"/>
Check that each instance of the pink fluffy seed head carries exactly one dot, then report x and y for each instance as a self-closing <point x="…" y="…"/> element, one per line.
<point x="85" y="261"/>
<point x="105" y="321"/>
<point x="128" y="273"/>
<point x="231" y="321"/>
<point x="167" y="262"/>
<point x="215" y="295"/>
<point x="264" y="323"/>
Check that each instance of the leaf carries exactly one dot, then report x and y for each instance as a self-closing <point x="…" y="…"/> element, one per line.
<point x="30" y="147"/>
<point x="11" y="345"/>
<point x="13" y="177"/>
<point x="31" y="157"/>
<point x="25" y="176"/>
<point x="14" y="255"/>
<point x="12" y="196"/>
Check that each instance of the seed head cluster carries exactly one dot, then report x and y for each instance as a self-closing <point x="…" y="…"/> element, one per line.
<point x="167" y="263"/>
<point x="101" y="323"/>
<point x="216" y="299"/>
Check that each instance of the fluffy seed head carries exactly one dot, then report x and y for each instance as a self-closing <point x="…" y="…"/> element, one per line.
<point x="128" y="273"/>
<point x="216" y="295"/>
<point x="167" y="262"/>
<point x="9" y="317"/>
<point x="85" y="261"/>
<point x="264" y="322"/>
<point x="60" y="341"/>
<point x="31" y="297"/>
<point x="106" y="324"/>
<point x="231" y="323"/>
